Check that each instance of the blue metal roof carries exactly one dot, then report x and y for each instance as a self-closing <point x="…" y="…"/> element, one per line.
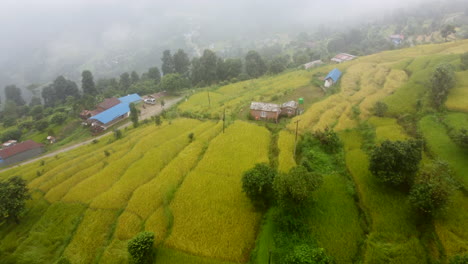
<point x="131" y="98"/>
<point x="112" y="113"/>
<point x="335" y="74"/>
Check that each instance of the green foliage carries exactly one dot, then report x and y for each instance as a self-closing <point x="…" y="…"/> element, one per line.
<point x="117" y="133"/>
<point x="13" y="93"/>
<point x="87" y="83"/>
<point x="191" y="137"/>
<point x="459" y="259"/>
<point x="380" y="108"/>
<point x="154" y="74"/>
<point x="277" y="65"/>
<point x="10" y="134"/>
<point x="295" y="188"/>
<point x="257" y="184"/>
<point x="157" y="120"/>
<point x="13" y="194"/>
<point x="140" y="247"/>
<point x="124" y="82"/>
<point x="447" y="30"/>
<point x="181" y="62"/>
<point x="58" y="118"/>
<point x="432" y="188"/>
<point x="173" y="83"/>
<point x="461" y="138"/>
<point x="167" y="66"/>
<point x="464" y="60"/>
<point x="254" y="64"/>
<point x="41" y="125"/>
<point x="328" y="139"/>
<point x="395" y="162"/>
<point x="442" y="80"/>
<point x="305" y="254"/>
<point x="59" y="90"/>
<point x="134" y="115"/>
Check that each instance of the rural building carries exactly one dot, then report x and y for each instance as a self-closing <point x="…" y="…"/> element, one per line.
<point x="18" y="152"/>
<point x="312" y="64"/>
<point x="265" y="111"/>
<point x="342" y="57"/>
<point x="397" y="39"/>
<point x="332" y="77"/>
<point x="107" y="118"/>
<point x="289" y="109"/>
<point x="106" y="104"/>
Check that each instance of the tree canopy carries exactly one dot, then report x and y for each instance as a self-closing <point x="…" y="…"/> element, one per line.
<point x="154" y="74"/>
<point x="59" y="90"/>
<point x="167" y="66"/>
<point x="254" y="64"/>
<point x="173" y="83"/>
<point x="140" y="247"/>
<point x="396" y="162"/>
<point x="13" y="195"/>
<point x="442" y="80"/>
<point x="257" y="184"/>
<point x="181" y="62"/>
<point x="87" y="83"/>
<point x="13" y="93"/>
<point x="296" y="187"/>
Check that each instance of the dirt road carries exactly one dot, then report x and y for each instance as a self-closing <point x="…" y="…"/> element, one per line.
<point x="147" y="112"/>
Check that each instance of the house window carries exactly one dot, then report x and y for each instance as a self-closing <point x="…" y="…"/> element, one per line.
<point x="263" y="114"/>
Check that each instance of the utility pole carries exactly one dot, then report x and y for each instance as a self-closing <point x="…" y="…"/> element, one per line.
<point x="224" y="118"/>
<point x="209" y="101"/>
<point x="295" y="140"/>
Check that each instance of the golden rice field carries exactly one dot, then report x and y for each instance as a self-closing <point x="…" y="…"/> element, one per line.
<point x="87" y="203"/>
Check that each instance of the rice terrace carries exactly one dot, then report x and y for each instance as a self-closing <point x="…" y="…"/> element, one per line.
<point x="89" y="202"/>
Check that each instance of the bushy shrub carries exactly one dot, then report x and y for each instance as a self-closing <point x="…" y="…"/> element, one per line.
<point x="329" y="139"/>
<point x="396" y="162"/>
<point x="459" y="259"/>
<point x="305" y="254"/>
<point x="432" y="188"/>
<point x="10" y="134"/>
<point x="41" y="125"/>
<point x="461" y="138"/>
<point x="141" y="247"/>
<point x="257" y="184"/>
<point x="117" y="133"/>
<point x="380" y="108"/>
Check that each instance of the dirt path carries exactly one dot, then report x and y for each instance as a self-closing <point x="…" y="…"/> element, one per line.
<point x="147" y="112"/>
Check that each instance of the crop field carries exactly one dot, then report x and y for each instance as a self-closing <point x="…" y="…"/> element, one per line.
<point x="201" y="221"/>
<point x="87" y="203"/>
<point x="235" y="97"/>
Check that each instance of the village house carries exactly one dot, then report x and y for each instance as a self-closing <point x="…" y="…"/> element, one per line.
<point x="268" y="111"/>
<point x="332" y="78"/>
<point x="289" y="109"/>
<point x="265" y="111"/>
<point x="342" y="57"/>
<point x="19" y="152"/>
<point x="109" y="117"/>
<point x="397" y="39"/>
<point x="106" y="104"/>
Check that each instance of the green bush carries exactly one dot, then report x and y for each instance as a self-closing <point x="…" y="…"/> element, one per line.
<point x="396" y="162"/>
<point x="10" y="134"/>
<point x="305" y="254"/>
<point x="329" y="139"/>
<point x="58" y="118"/>
<point x="380" y="108"/>
<point x="432" y="188"/>
<point x="459" y="259"/>
<point x="257" y="184"/>
<point x="141" y="248"/>
<point x="41" y="125"/>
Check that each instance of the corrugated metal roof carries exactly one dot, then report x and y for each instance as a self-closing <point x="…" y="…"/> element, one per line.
<point x="108" y="103"/>
<point x="265" y="107"/>
<point x="131" y="98"/>
<point x="334" y="75"/>
<point x="112" y="113"/>
<point x="292" y="104"/>
<point x="19" y="148"/>
<point x="343" y="57"/>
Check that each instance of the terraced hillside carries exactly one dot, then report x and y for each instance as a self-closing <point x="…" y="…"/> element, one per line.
<point x="88" y="203"/>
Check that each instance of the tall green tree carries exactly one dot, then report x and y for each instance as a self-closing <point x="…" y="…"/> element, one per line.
<point x="134" y="115"/>
<point x="134" y="77"/>
<point x="396" y="162"/>
<point x="59" y="90"/>
<point x="173" y="83"/>
<point x="140" y="248"/>
<point x="277" y="64"/>
<point x="257" y="184"/>
<point x="254" y="64"/>
<point x="208" y="61"/>
<point x="167" y="66"/>
<point x="124" y="83"/>
<point x="35" y="101"/>
<point x="13" y="93"/>
<point x="181" y="62"/>
<point x="442" y="80"/>
<point x="154" y="74"/>
<point x="13" y="196"/>
<point x="87" y="83"/>
<point x="447" y="30"/>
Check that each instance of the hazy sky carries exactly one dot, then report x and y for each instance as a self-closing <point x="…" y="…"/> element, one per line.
<point x="52" y="33"/>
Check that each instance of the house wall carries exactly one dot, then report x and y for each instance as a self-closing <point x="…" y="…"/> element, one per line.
<point x="328" y="82"/>
<point x="257" y="115"/>
<point x="22" y="156"/>
<point x="118" y="119"/>
<point x="288" y="111"/>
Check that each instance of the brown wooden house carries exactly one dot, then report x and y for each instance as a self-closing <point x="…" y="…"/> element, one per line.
<point x="265" y="111"/>
<point x="289" y="109"/>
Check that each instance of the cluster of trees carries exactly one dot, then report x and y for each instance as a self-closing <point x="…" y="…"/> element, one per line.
<point x="13" y="196"/>
<point x="396" y="164"/>
<point x="442" y="80"/>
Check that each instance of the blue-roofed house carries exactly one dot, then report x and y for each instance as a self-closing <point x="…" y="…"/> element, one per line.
<point x="107" y="118"/>
<point x="332" y="77"/>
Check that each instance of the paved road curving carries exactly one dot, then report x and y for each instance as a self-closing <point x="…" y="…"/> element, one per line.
<point x="147" y="112"/>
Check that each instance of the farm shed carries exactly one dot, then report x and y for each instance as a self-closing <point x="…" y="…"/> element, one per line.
<point x="342" y="57"/>
<point x="397" y="39"/>
<point x="332" y="77"/>
<point x="265" y="111"/>
<point x="289" y="109"/>
<point x="19" y="152"/>
<point x="107" y="118"/>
